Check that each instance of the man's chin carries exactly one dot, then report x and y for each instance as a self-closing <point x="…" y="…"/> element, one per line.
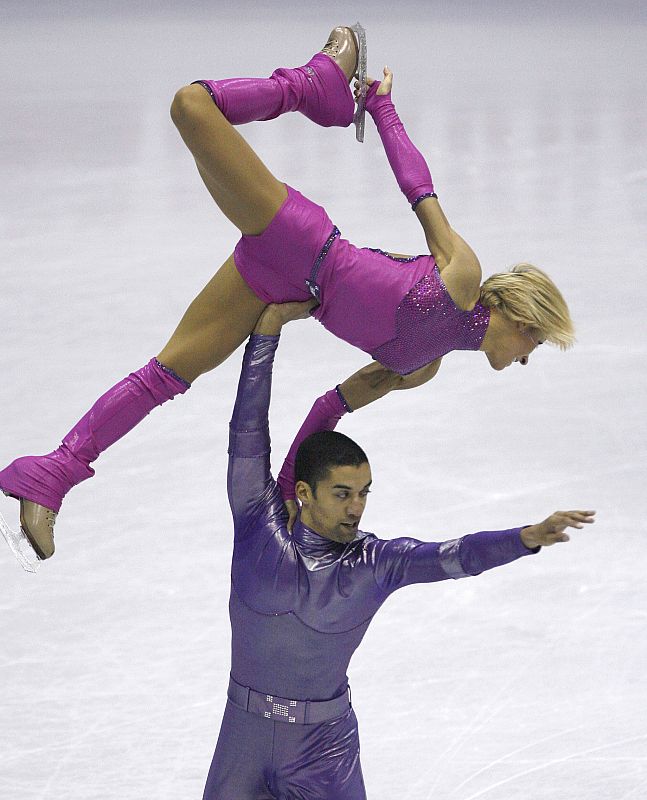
<point x="349" y="532"/>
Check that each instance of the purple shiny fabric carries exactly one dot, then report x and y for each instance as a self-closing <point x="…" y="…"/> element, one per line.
<point x="258" y="759"/>
<point x="300" y="604"/>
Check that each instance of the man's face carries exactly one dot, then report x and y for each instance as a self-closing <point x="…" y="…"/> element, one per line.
<point x="337" y="507"/>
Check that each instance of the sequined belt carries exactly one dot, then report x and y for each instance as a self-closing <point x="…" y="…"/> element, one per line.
<point x="282" y="709"/>
<point x="311" y="282"/>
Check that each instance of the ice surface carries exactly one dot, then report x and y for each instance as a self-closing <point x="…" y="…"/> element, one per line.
<point x="526" y="683"/>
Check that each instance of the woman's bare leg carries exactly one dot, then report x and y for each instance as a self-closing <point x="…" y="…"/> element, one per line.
<point x="242" y="186"/>
<point x="219" y="319"/>
<point x="244" y="189"/>
<point x="215" y="324"/>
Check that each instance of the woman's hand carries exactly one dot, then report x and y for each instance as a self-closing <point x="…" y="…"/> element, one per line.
<point x="293" y="510"/>
<point x="384" y="86"/>
<point x="276" y="315"/>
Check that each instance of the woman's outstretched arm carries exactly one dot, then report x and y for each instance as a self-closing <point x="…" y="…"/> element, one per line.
<point x="456" y="260"/>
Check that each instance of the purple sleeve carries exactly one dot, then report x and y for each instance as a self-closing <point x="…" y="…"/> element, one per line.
<point x="324" y="416"/>
<point x="249" y="479"/>
<point x="408" y="165"/>
<point x="401" y="562"/>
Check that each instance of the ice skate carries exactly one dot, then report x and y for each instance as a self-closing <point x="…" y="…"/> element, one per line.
<point x="34" y="540"/>
<point x="40" y="483"/>
<point x="347" y="48"/>
<point x="319" y="90"/>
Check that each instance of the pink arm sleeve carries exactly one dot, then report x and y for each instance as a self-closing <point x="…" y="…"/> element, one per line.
<point x="324" y="416"/>
<point x="408" y="165"/>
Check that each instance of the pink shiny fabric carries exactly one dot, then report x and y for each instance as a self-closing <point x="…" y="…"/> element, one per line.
<point x="397" y="310"/>
<point x="408" y="164"/>
<point x="46" y="479"/>
<point x="324" y="416"/>
<point x="319" y="90"/>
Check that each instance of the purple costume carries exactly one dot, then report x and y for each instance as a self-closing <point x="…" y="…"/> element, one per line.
<point x="299" y="607"/>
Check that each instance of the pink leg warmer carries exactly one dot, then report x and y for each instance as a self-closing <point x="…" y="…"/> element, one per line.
<point x="319" y="90"/>
<point x="323" y="416"/>
<point x="47" y="479"/>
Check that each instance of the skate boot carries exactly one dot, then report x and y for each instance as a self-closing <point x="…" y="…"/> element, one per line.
<point x="34" y="540"/>
<point x="37" y="524"/>
<point x="347" y="48"/>
<point x="46" y="480"/>
<point x="319" y="90"/>
<point x="41" y="482"/>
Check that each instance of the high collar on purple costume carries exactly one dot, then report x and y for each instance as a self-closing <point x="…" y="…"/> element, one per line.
<point x="318" y="550"/>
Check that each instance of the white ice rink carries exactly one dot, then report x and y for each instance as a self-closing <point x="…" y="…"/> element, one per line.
<point x="527" y="683"/>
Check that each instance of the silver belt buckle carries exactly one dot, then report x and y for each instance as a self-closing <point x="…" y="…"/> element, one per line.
<point x="280" y="708"/>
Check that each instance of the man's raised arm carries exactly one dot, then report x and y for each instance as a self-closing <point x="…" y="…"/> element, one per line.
<point x="248" y="477"/>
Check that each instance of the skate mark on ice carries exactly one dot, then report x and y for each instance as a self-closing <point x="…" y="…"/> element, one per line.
<point x="635" y="793"/>
<point x="552" y="762"/>
<point x="501" y="759"/>
<point x="496" y="704"/>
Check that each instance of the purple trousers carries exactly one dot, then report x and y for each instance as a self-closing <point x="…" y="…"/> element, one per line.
<point x="260" y="759"/>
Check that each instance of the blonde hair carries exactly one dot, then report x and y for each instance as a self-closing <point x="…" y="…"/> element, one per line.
<point x="526" y="294"/>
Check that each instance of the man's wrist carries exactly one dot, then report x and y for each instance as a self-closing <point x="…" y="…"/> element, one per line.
<point x="528" y="537"/>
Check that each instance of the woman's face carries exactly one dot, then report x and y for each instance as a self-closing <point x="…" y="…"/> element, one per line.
<point x="514" y="347"/>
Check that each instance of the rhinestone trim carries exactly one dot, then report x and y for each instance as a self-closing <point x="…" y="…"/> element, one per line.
<point x="422" y="197"/>
<point x="402" y="260"/>
<point x="311" y="282"/>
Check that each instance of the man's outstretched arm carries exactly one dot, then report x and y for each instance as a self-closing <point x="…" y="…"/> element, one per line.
<point x="400" y="562"/>
<point x="248" y="477"/>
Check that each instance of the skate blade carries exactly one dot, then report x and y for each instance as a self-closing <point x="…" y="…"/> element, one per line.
<point x="360" y="111"/>
<point x="20" y="547"/>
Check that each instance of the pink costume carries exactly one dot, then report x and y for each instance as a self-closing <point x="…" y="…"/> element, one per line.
<point x="398" y="310"/>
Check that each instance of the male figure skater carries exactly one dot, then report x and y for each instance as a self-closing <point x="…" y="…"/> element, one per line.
<point x="301" y="602"/>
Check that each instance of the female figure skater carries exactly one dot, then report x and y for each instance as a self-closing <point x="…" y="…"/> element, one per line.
<point x="407" y="312"/>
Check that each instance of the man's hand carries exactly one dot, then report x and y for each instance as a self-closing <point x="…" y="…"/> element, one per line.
<point x="551" y="530"/>
<point x="276" y="315"/>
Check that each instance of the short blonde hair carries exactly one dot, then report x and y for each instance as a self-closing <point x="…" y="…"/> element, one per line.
<point x="526" y="294"/>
